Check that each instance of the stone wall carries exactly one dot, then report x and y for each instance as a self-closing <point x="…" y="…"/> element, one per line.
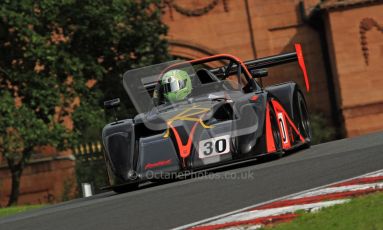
<point x="355" y="35"/>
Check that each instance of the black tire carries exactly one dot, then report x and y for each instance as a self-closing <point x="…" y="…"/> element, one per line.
<point x="113" y="181"/>
<point x="301" y="117"/>
<point x="125" y="188"/>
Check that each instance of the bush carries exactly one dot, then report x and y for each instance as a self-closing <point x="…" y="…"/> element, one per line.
<point x="321" y="129"/>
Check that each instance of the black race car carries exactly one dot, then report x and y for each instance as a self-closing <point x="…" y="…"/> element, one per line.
<point x="225" y="116"/>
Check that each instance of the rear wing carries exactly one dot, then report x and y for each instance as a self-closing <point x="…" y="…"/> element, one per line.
<point x="281" y="59"/>
<point x="275" y="60"/>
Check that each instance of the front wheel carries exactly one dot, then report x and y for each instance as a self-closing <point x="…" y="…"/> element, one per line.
<point x="113" y="181"/>
<point x="125" y="188"/>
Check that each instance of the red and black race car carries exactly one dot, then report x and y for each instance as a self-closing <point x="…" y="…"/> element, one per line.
<point x="201" y="114"/>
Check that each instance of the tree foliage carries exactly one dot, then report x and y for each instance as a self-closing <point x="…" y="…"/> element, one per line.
<point x="59" y="59"/>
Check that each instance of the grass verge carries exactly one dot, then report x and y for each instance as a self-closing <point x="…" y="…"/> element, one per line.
<point x="361" y="213"/>
<point x="17" y="209"/>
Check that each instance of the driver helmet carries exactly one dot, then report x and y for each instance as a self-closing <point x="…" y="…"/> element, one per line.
<point x="176" y="85"/>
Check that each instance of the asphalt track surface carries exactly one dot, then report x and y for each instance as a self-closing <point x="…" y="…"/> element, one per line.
<point x="171" y="205"/>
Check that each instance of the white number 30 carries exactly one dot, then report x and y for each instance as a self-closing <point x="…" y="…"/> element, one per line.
<point x="214" y="146"/>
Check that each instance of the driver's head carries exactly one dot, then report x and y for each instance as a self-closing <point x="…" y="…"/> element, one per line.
<point x="176" y="85"/>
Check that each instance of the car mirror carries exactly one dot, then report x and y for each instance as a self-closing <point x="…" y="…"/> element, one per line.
<point x="258" y="73"/>
<point x="114" y="103"/>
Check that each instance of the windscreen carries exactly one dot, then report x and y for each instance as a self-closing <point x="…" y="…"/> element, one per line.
<point x="179" y="82"/>
<point x="141" y="84"/>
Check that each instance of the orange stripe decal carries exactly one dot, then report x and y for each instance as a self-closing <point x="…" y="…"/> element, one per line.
<point x="279" y="109"/>
<point x="295" y="128"/>
<point x="184" y="150"/>
<point x="269" y="132"/>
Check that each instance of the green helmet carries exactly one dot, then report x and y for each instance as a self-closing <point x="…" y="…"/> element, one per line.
<point x="176" y="85"/>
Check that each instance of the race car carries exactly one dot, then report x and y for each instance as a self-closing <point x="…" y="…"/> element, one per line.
<point x="201" y="114"/>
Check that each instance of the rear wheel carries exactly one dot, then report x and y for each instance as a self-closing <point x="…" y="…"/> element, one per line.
<point x="301" y="117"/>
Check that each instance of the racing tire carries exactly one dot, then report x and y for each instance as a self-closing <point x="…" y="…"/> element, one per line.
<point x="301" y="117"/>
<point x="119" y="188"/>
<point x="125" y="188"/>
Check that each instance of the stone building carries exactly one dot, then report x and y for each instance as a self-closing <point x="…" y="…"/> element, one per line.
<point x="342" y="42"/>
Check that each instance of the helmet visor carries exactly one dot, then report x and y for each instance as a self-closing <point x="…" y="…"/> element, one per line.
<point x="174" y="85"/>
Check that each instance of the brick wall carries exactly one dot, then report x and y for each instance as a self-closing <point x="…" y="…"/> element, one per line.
<point x="278" y="26"/>
<point x="219" y="30"/>
<point x="244" y="28"/>
<point x="358" y="74"/>
<point x="46" y="180"/>
<point x="257" y="28"/>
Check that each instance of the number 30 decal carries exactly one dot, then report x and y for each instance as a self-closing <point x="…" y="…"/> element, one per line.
<point x="214" y="146"/>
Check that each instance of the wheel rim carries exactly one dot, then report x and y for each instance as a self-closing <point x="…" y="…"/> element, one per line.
<point x="275" y="130"/>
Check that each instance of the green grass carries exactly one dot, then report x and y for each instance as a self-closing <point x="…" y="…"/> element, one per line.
<point x="362" y="213"/>
<point x="17" y="209"/>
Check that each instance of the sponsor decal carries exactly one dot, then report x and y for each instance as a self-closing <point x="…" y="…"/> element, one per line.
<point x="158" y="164"/>
<point x="282" y="125"/>
<point x="254" y="98"/>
